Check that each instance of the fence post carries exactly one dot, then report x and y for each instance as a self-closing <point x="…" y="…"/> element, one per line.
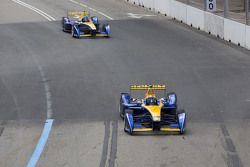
<point x="205" y="5"/>
<point x="226" y="8"/>
<point x="247" y="11"/>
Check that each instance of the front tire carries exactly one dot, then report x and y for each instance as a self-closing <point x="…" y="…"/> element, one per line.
<point x="72" y="32"/>
<point x="121" y="111"/>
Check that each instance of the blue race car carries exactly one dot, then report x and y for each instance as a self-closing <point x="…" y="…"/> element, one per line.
<point x="151" y="114"/>
<point x="80" y="24"/>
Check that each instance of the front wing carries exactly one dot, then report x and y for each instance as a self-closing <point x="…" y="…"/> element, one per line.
<point x="132" y="126"/>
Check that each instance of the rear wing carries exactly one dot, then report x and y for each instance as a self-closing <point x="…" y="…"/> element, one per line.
<point x="146" y="87"/>
<point x="78" y="15"/>
<point x="149" y="88"/>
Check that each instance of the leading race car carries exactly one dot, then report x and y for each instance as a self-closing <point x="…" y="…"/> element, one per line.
<point x="151" y="114"/>
<point x="80" y="24"/>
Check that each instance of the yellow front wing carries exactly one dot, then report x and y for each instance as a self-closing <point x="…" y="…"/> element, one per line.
<point x="166" y="129"/>
<point x="90" y="35"/>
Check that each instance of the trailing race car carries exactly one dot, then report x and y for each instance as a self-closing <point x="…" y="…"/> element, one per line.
<point x="80" y="24"/>
<point x="151" y="114"/>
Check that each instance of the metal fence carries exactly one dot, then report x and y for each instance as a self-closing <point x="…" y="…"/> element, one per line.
<point x="237" y="10"/>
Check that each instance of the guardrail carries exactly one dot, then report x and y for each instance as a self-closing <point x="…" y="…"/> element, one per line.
<point x="223" y="28"/>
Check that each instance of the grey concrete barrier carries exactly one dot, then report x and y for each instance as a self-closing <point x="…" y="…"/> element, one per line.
<point x="214" y="24"/>
<point x="195" y="17"/>
<point x="230" y="30"/>
<point x="235" y="32"/>
<point x="178" y="11"/>
<point x="163" y="6"/>
<point x="148" y="4"/>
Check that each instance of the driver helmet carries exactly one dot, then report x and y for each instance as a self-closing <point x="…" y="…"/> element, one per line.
<point x="85" y="19"/>
<point x="151" y="101"/>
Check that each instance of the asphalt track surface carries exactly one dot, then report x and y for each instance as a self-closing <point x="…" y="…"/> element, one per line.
<point x="85" y="77"/>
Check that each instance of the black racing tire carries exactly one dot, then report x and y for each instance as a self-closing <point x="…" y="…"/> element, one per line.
<point x="62" y="22"/>
<point x="125" y="130"/>
<point x="129" y="111"/>
<point x="173" y="112"/>
<point x="121" y="111"/>
<point x="72" y="32"/>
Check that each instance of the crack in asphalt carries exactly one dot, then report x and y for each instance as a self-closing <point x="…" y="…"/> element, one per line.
<point x="1" y="131"/>
<point x="105" y="144"/>
<point x="233" y="159"/>
<point x="113" y="144"/>
<point x="2" y="123"/>
<point x="109" y="148"/>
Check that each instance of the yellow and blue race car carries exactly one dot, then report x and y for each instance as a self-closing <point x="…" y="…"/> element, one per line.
<point x="150" y="113"/>
<point x="80" y="24"/>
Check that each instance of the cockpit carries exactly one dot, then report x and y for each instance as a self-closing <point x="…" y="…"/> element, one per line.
<point x="151" y="101"/>
<point x="85" y="19"/>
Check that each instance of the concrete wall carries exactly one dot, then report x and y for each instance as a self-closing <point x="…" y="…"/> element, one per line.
<point x="214" y="24"/>
<point x="163" y="6"/>
<point x="235" y="32"/>
<point x="148" y="3"/>
<point x="248" y="37"/>
<point x="195" y="17"/>
<point x="224" y="28"/>
<point x="178" y="11"/>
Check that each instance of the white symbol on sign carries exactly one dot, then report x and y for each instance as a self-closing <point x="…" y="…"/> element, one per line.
<point x="211" y="5"/>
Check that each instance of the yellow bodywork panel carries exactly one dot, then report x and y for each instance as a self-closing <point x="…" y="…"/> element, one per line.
<point x="78" y="14"/>
<point x="155" y="111"/>
<point x="146" y="87"/>
<point x="91" y="25"/>
<point x="85" y="35"/>
<point x="170" y="129"/>
<point x="101" y="35"/>
<point x="142" y="129"/>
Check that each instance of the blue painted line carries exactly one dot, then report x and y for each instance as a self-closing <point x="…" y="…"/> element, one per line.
<point x="41" y="143"/>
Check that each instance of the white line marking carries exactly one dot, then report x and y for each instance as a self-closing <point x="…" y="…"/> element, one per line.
<point x="90" y="8"/>
<point x="35" y="10"/>
<point x="139" y="16"/>
<point x="49" y="122"/>
<point x="46" y="88"/>
<point x="110" y="18"/>
<point x="83" y="5"/>
<point x="74" y="1"/>
<point x="40" y="12"/>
